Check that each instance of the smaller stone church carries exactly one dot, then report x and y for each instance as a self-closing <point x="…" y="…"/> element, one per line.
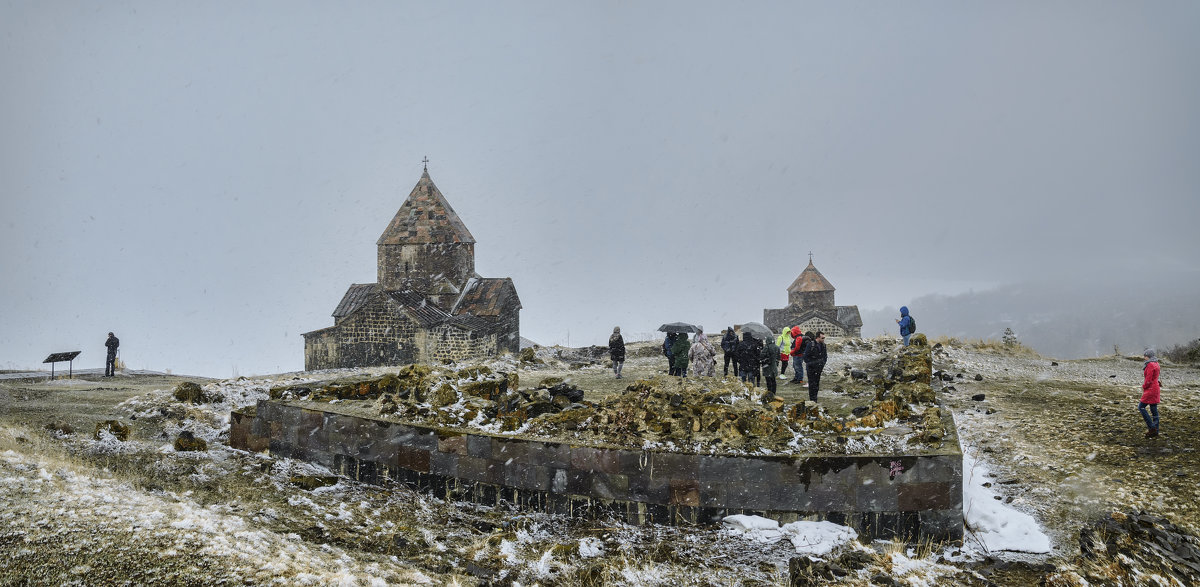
<point x="428" y="305"/>
<point x="811" y="307"/>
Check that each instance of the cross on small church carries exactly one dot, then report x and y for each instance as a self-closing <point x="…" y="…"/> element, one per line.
<point x="425" y="161"/>
<point x="810" y="256"/>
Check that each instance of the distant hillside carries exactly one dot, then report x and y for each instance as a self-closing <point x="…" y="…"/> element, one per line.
<point x="1060" y="320"/>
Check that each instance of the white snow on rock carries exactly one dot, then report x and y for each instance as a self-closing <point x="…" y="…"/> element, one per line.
<point x="813" y="538"/>
<point x="991" y="523"/>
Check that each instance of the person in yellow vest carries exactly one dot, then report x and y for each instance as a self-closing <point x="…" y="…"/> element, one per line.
<point x="784" y="342"/>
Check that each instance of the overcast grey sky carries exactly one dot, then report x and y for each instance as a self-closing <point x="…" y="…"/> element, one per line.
<point x="207" y="178"/>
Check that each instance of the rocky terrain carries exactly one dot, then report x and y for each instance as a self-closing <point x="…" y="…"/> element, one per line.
<point x="1060" y="440"/>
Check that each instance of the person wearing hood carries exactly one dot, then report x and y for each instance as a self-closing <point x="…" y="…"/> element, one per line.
<point x="616" y="351"/>
<point x="814" y="360"/>
<point x="768" y="357"/>
<point x="747" y="351"/>
<point x="799" y="339"/>
<point x="679" y="355"/>
<point x="729" y="344"/>
<point x="703" y="356"/>
<point x="1151" y="393"/>
<point x="110" y="358"/>
<point x="784" y="344"/>
<point x="907" y="324"/>
<point x="668" y="343"/>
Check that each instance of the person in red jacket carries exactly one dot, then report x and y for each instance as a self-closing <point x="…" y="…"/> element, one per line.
<point x="1150" y="393"/>
<point x="797" y="356"/>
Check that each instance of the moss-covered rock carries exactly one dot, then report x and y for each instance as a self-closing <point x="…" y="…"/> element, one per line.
<point x="443" y="395"/>
<point x="189" y="392"/>
<point x="118" y="430"/>
<point x="311" y="482"/>
<point x="60" y="427"/>
<point x="188" y="442"/>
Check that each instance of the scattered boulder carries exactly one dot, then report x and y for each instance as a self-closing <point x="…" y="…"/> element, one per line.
<point x="189" y="392"/>
<point x="528" y="355"/>
<point x="188" y="442"/>
<point x="194" y="394"/>
<point x="113" y="427"/>
<point x="1137" y="545"/>
<point x="978" y="397"/>
<point x="856" y="559"/>
<point x="803" y="570"/>
<point x="572" y="393"/>
<point x="60" y="427"/>
<point x="978" y="377"/>
<point x="311" y="482"/>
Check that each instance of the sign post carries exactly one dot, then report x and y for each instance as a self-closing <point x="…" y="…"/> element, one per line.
<point x="67" y="356"/>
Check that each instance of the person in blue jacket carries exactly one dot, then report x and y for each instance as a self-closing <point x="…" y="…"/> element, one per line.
<point x="906" y="324"/>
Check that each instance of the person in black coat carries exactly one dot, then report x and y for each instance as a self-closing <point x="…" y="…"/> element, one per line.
<point x="669" y="342"/>
<point x="814" y="360"/>
<point x="729" y="345"/>
<point x="110" y="360"/>
<point x="616" y="351"/>
<point x="747" y="352"/>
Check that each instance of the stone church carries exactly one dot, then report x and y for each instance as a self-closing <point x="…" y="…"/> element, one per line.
<point x="428" y="304"/>
<point x="811" y="307"/>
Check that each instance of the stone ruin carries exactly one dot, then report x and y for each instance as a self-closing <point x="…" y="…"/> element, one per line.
<point x="665" y="450"/>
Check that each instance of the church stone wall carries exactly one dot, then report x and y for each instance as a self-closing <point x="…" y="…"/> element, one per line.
<point x="321" y="350"/>
<point x="811" y="299"/>
<point x="817" y="324"/>
<point x="376" y="335"/>
<point x="447" y="343"/>
<point x="423" y="266"/>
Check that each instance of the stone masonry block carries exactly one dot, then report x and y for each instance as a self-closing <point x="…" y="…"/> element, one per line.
<point x="413" y="459"/>
<point x="479" y="447"/>
<point x="453" y="444"/>
<point x="873" y="495"/>
<point x="473" y="469"/>
<point x="675" y="466"/>
<point x="940" y="468"/>
<point x="442" y="463"/>
<point x="685" y="492"/>
<point x="914" y="497"/>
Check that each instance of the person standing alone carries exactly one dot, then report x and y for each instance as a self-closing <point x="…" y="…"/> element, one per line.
<point x="110" y="360"/>
<point x="814" y="361"/>
<point x="1151" y="393"/>
<point x="616" y="351"/>
<point x="907" y="324"/>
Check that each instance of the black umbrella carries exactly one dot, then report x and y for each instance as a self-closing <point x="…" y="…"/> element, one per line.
<point x="678" y="327"/>
<point x="758" y="330"/>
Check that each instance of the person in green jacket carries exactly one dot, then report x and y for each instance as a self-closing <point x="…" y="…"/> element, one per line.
<point x="679" y="355"/>
<point x="784" y="342"/>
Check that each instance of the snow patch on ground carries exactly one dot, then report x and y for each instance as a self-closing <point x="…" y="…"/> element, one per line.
<point x="990" y="523"/>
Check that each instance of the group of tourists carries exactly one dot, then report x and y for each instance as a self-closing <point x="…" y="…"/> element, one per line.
<point x="757" y="360"/>
<point x="754" y="361"/>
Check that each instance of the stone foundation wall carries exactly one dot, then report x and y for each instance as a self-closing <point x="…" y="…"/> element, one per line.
<point x="881" y="496"/>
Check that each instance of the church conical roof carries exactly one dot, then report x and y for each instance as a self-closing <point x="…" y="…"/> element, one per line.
<point x="425" y="217"/>
<point x="811" y="280"/>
